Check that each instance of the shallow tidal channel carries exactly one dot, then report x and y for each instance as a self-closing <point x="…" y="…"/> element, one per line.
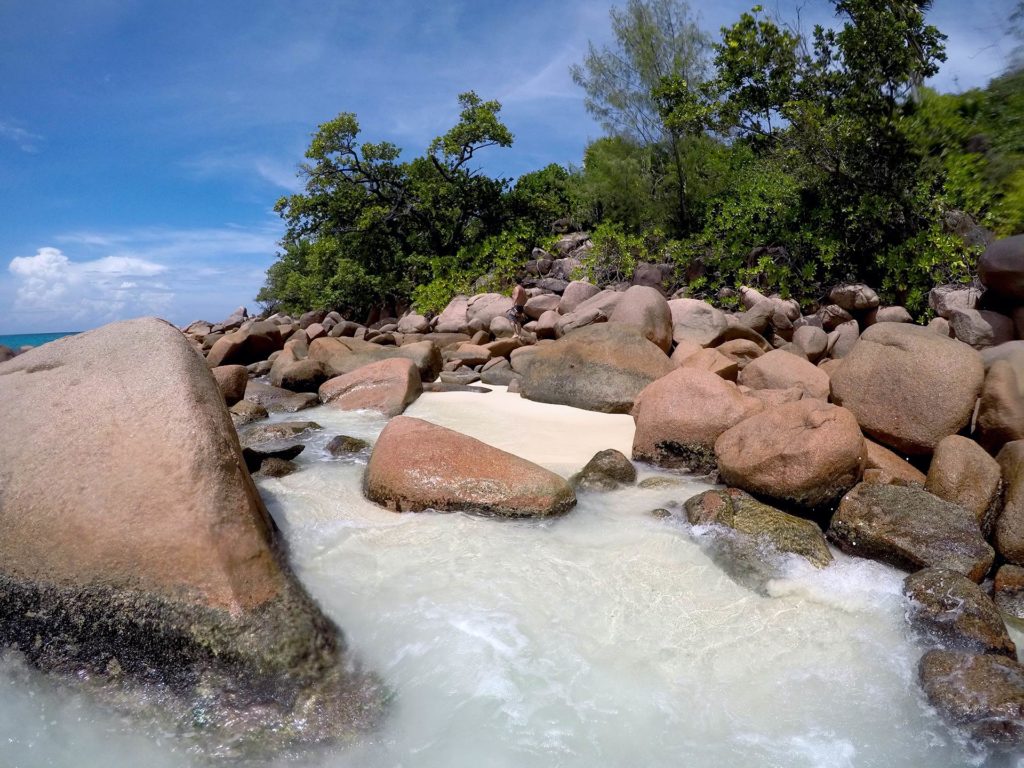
<point x="603" y="638"/>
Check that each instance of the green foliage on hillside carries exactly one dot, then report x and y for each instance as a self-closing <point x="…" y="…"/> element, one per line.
<point x="762" y="158"/>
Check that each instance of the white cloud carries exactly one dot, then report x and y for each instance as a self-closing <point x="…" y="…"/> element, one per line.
<point x="51" y="282"/>
<point x="95" y="277"/>
<point x="24" y="139"/>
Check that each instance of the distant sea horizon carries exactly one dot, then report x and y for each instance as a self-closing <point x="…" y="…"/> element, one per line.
<point x="18" y="340"/>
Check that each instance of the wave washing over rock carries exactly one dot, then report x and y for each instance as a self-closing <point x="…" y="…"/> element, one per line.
<point x="603" y="637"/>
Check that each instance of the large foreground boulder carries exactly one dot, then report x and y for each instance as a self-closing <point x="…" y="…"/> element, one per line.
<point x="598" y="368"/>
<point x="908" y="386"/>
<point x="910" y="529"/>
<point x="136" y="551"/>
<point x="417" y="465"/>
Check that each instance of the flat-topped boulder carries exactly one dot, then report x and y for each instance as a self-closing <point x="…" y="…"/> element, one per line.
<point x="908" y="386"/>
<point x="781" y="370"/>
<point x="910" y="529"/>
<point x="343" y="355"/>
<point x="417" y="466"/>
<point x="598" y="368"/>
<point x="148" y="560"/>
<point x="387" y="386"/>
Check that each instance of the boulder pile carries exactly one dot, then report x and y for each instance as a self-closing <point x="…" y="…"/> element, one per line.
<point x="903" y="441"/>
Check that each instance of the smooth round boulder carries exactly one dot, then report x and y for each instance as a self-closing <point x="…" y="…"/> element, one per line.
<point x="812" y="341"/>
<point x="150" y="546"/>
<point x="781" y="370"/>
<point x="1001" y="409"/>
<point x="963" y="473"/>
<point x="413" y="323"/>
<point x="1001" y="268"/>
<point x="1009" y="530"/>
<point x="454" y="317"/>
<point x="536" y="306"/>
<point x="599" y="368"/>
<point x="387" y="386"/>
<point x="696" y="321"/>
<point x="484" y="307"/>
<point x="907" y="386"/>
<point x="679" y="417"/>
<point x="575" y="293"/>
<point x="645" y="309"/>
<point x="232" y="380"/>
<point x="806" y="453"/>
<point x="416" y="466"/>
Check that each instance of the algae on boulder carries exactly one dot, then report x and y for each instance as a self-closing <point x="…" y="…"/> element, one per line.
<point x="910" y="529"/>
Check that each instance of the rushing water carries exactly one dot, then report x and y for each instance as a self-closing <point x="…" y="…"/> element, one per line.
<point x="604" y="638"/>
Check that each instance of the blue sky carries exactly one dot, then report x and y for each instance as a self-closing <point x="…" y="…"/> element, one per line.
<point x="143" y="142"/>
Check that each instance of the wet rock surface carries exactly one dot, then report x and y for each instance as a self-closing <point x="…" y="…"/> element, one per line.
<point x="910" y="529"/>
<point x="764" y="531"/>
<point x="949" y="610"/>
<point x="608" y="470"/>
<point x="982" y="693"/>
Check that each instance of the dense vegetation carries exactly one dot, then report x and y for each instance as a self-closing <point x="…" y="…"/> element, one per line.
<point x="767" y="158"/>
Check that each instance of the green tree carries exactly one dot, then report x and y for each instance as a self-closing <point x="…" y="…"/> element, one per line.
<point x="367" y="226"/>
<point x="654" y="39"/>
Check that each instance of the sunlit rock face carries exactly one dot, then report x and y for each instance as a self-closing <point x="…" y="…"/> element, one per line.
<point x="136" y="554"/>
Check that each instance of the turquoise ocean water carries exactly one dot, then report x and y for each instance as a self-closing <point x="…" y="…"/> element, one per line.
<point x="18" y="340"/>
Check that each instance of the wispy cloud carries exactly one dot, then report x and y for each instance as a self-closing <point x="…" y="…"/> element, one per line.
<point x="24" y="139"/>
<point x="277" y="172"/>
